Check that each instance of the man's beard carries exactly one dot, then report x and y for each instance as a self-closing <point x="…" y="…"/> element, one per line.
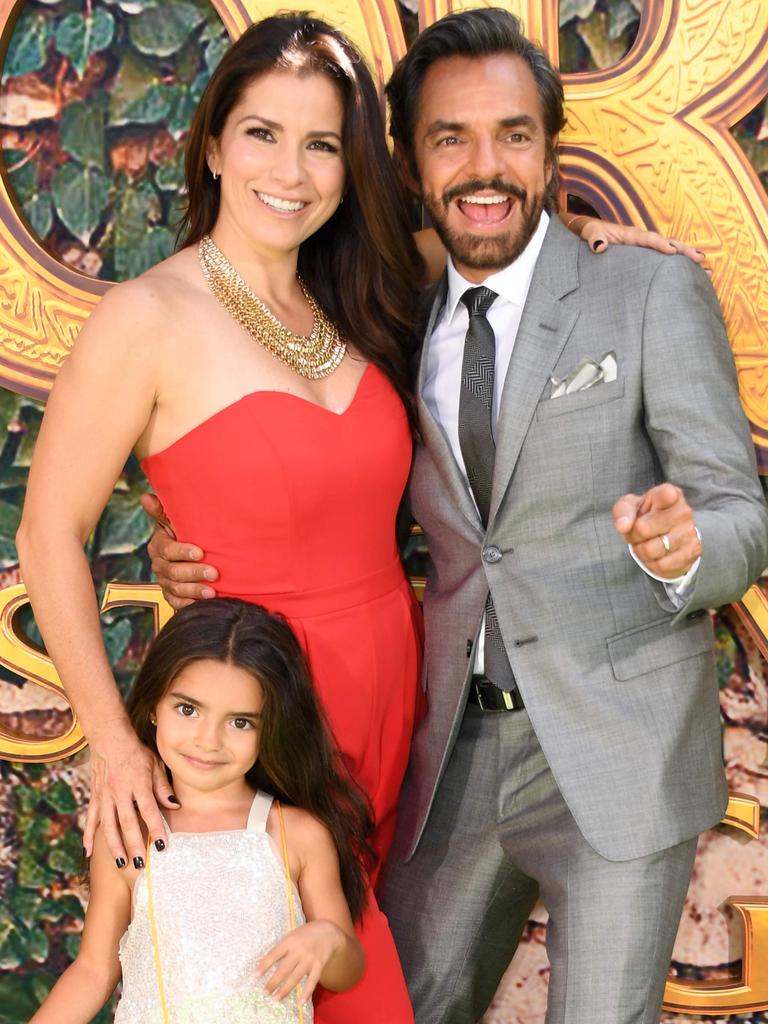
<point x="483" y="252"/>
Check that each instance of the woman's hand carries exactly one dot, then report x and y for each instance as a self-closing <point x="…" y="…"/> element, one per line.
<point x="600" y="234"/>
<point x="303" y="953"/>
<point x="127" y="781"/>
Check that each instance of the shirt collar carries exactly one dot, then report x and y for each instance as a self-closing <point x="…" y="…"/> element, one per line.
<point x="511" y="283"/>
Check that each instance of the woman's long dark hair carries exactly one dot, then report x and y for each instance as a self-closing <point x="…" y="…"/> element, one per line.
<point x="362" y="265"/>
<point x="298" y="762"/>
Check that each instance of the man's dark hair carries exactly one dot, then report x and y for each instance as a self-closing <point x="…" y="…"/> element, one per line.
<point x="478" y="33"/>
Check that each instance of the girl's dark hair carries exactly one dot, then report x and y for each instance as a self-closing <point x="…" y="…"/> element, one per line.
<point x="362" y="265"/>
<point x="483" y="32"/>
<point x="298" y="762"/>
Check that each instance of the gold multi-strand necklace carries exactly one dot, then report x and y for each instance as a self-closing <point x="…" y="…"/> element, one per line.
<point x="313" y="356"/>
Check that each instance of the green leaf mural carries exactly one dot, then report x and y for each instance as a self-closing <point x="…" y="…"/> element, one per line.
<point x="80" y="195"/>
<point x="39" y="211"/>
<point x="82" y="132"/>
<point x="27" y="50"/>
<point x="102" y="93"/>
<point x="80" y="35"/>
<point x="23" y="175"/>
<point x="162" y="31"/>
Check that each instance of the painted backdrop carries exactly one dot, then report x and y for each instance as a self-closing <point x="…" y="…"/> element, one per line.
<point x="667" y="127"/>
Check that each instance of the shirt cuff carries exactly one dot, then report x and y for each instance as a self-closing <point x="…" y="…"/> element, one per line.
<point x="678" y="589"/>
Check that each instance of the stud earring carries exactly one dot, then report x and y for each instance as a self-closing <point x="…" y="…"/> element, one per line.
<point x="153" y="720"/>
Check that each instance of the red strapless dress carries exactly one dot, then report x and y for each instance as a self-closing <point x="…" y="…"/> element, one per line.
<point x="296" y="507"/>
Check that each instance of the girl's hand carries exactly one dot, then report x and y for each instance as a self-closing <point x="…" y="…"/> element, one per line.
<point x="126" y="777"/>
<point x="303" y="953"/>
<point x="602" y="233"/>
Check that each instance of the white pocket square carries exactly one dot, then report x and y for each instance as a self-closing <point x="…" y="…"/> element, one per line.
<point x="586" y="374"/>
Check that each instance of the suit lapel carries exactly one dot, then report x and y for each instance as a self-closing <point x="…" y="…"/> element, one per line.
<point x="432" y="435"/>
<point x="544" y="329"/>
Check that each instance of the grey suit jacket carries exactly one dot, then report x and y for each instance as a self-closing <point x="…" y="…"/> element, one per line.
<point x="621" y="690"/>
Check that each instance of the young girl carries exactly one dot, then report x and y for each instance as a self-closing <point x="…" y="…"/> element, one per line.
<point x="248" y="903"/>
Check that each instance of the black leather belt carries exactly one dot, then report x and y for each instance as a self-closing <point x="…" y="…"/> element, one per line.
<point x="484" y="695"/>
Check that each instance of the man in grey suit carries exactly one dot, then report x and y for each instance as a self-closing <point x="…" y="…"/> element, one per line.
<point x="572" y="745"/>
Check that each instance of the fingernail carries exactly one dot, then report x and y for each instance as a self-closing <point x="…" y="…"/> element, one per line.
<point x="138" y="863"/>
<point x="174" y="800"/>
<point x="207" y="592"/>
<point x="597" y="243"/>
<point x="700" y="252"/>
<point x="85" y="852"/>
<point x="209" y="574"/>
<point x="623" y="523"/>
<point x="159" y="844"/>
<point x="195" y="553"/>
<point x="120" y="861"/>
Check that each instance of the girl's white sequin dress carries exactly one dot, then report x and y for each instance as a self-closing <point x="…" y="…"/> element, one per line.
<point x="220" y="903"/>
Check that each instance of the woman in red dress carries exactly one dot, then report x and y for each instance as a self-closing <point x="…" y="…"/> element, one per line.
<point x="261" y="374"/>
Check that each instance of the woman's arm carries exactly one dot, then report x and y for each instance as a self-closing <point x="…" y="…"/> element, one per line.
<point x="90" y="980"/>
<point x="325" y="950"/>
<point x="602" y="233"/>
<point x="101" y="403"/>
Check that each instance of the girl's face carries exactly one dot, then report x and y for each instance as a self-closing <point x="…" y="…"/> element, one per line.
<point x="208" y="725"/>
<point x="280" y="159"/>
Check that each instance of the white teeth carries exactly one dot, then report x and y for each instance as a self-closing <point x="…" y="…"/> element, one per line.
<point x="286" y="205"/>
<point x="485" y="200"/>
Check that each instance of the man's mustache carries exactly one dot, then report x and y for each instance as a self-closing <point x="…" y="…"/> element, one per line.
<point x="468" y="188"/>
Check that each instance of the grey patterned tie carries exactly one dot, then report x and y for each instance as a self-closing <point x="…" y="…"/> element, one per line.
<point x="479" y="449"/>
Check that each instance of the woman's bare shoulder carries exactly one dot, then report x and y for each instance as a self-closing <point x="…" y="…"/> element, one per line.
<point x="160" y="294"/>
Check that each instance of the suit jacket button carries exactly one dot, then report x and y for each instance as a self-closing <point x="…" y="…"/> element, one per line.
<point x="492" y="554"/>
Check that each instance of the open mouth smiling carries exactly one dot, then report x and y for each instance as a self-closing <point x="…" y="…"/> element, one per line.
<point x="486" y="209"/>
<point x="280" y="205"/>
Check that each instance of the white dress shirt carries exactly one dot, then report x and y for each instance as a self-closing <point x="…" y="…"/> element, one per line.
<point x="445" y="352"/>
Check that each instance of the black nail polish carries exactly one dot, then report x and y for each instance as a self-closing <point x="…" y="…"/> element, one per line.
<point x="138" y="863"/>
<point x="120" y="861"/>
<point x="174" y="800"/>
<point x="597" y="243"/>
<point x="159" y="844"/>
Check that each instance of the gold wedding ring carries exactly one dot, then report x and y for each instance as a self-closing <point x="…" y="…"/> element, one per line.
<point x="664" y="538"/>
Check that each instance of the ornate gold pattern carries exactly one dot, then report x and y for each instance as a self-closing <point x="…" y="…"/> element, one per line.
<point x="312" y="356"/>
<point x="22" y="658"/>
<point x="747" y="994"/>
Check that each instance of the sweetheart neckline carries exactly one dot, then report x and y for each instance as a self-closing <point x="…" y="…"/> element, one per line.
<point x="253" y="394"/>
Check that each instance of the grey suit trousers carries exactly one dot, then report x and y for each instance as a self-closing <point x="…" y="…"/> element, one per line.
<point x="499" y="834"/>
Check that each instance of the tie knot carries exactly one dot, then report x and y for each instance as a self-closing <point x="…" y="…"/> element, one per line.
<point x="478" y="300"/>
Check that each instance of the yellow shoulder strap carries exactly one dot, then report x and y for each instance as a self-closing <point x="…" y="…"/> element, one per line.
<point x="289" y="892"/>
<point x="153" y="933"/>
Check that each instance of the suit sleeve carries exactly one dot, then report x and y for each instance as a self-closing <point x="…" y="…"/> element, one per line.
<point x="699" y="431"/>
